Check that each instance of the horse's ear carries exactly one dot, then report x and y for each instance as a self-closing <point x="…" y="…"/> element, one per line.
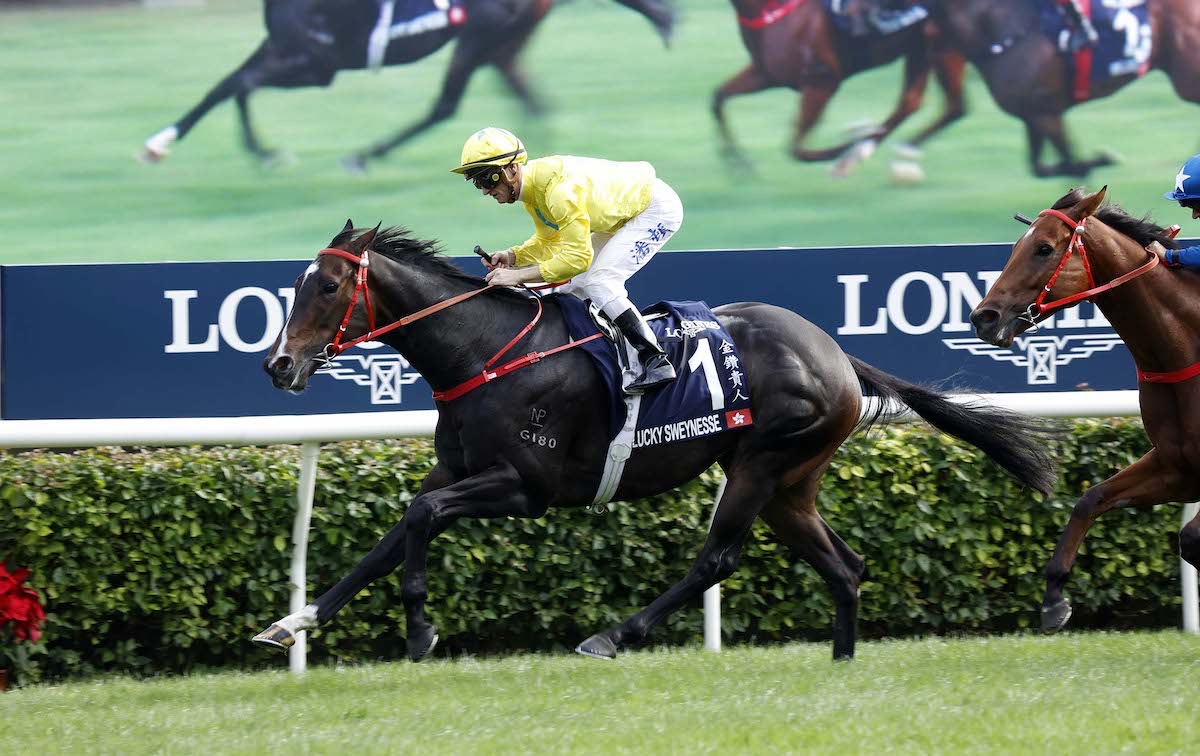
<point x="1089" y="204"/>
<point x="349" y="226"/>
<point x="364" y="241"/>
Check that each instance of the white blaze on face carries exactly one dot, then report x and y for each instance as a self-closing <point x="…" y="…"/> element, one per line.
<point x="279" y="352"/>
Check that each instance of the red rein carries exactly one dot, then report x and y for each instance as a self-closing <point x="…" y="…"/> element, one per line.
<point x="1038" y="308"/>
<point x="486" y="375"/>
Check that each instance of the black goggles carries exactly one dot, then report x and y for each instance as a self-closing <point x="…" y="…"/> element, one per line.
<point x="488" y="179"/>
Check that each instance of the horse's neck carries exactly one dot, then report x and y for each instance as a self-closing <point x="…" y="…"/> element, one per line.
<point x="450" y="345"/>
<point x="1155" y="314"/>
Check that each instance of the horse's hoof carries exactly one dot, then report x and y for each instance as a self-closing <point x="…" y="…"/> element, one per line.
<point x="907" y="172"/>
<point x="598" y="647"/>
<point x="275" y="637"/>
<point x="277" y="159"/>
<point x="852" y="158"/>
<point x="355" y="165"/>
<point x="1055" y="616"/>
<point x="908" y="152"/>
<point x="422" y="645"/>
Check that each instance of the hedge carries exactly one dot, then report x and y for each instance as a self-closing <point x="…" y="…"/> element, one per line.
<point x="169" y="560"/>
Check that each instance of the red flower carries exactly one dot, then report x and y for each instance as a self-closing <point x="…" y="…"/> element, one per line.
<point x="20" y="605"/>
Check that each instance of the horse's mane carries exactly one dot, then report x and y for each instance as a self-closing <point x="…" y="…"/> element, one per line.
<point x="398" y="243"/>
<point x="1142" y="230"/>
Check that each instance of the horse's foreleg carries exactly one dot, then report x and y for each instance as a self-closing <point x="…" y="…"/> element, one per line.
<point x="745" y="495"/>
<point x="380" y="561"/>
<point x="747" y="81"/>
<point x="949" y="69"/>
<point x="1145" y="483"/>
<point x="496" y="492"/>
<point x="813" y="100"/>
<point x="468" y="56"/>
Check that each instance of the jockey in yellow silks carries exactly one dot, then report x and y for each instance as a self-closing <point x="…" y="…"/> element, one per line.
<point x="596" y="222"/>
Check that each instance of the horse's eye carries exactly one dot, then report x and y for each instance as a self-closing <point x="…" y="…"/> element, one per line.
<point x="330" y="287"/>
<point x="1044" y="250"/>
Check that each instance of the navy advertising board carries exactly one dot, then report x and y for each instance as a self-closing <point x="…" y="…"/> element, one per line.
<point x="188" y="339"/>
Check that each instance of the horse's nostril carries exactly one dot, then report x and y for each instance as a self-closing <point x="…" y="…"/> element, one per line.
<point x="983" y="318"/>
<point x="280" y="364"/>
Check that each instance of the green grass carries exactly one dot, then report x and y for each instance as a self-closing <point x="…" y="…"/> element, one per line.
<point x="1101" y="693"/>
<point x="83" y="88"/>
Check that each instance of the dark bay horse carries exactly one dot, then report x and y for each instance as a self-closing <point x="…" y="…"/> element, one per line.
<point x="805" y="395"/>
<point x="494" y="33"/>
<point x="1155" y="311"/>
<point x="1031" y="79"/>
<point x="796" y="45"/>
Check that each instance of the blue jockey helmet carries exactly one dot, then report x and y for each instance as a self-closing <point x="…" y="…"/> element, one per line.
<point x="1187" y="181"/>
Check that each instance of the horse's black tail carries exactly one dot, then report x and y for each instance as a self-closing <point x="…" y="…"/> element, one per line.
<point x="1013" y="441"/>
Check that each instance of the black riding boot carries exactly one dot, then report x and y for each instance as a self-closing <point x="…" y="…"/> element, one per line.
<point x="656" y="368"/>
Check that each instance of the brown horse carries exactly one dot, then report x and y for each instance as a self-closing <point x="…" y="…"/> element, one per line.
<point x="1155" y="311"/>
<point x="793" y="43"/>
<point x="1031" y="79"/>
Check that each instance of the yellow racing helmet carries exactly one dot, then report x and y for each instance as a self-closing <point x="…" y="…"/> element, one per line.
<point x="490" y="147"/>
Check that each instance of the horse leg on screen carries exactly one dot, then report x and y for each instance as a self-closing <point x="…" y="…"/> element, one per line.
<point x="1145" y="483"/>
<point x="813" y="99"/>
<point x="505" y="61"/>
<point x="1051" y="126"/>
<point x="264" y="67"/>
<point x="950" y="69"/>
<point x="745" y="494"/>
<point x="495" y="492"/>
<point x="747" y="81"/>
<point x="379" y="562"/>
<point x="794" y="518"/>
<point x="468" y="56"/>
<point x="659" y="12"/>
<point x="916" y="77"/>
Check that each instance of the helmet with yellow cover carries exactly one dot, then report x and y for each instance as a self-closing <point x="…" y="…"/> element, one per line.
<point x="490" y="148"/>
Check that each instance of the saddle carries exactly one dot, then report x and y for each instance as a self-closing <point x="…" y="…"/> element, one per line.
<point x="865" y="18"/>
<point x="710" y="394"/>
<point x="407" y="18"/>
<point x="1123" y="41"/>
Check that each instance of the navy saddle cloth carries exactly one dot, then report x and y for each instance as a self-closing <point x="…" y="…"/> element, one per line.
<point x="710" y="394"/>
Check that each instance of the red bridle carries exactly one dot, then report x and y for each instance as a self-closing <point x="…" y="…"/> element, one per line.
<point x="1038" y="308"/>
<point x="487" y="375"/>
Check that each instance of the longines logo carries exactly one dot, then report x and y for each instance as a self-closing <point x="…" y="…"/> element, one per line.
<point x="1040" y="355"/>
<point x="919" y="302"/>
<point x="385" y="374"/>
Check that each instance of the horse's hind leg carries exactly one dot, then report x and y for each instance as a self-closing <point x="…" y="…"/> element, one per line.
<point x="747" y="491"/>
<point x="792" y="514"/>
<point x="659" y="12"/>
<point x="265" y="67"/>
<point x="468" y="56"/>
<point x="1051" y="126"/>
